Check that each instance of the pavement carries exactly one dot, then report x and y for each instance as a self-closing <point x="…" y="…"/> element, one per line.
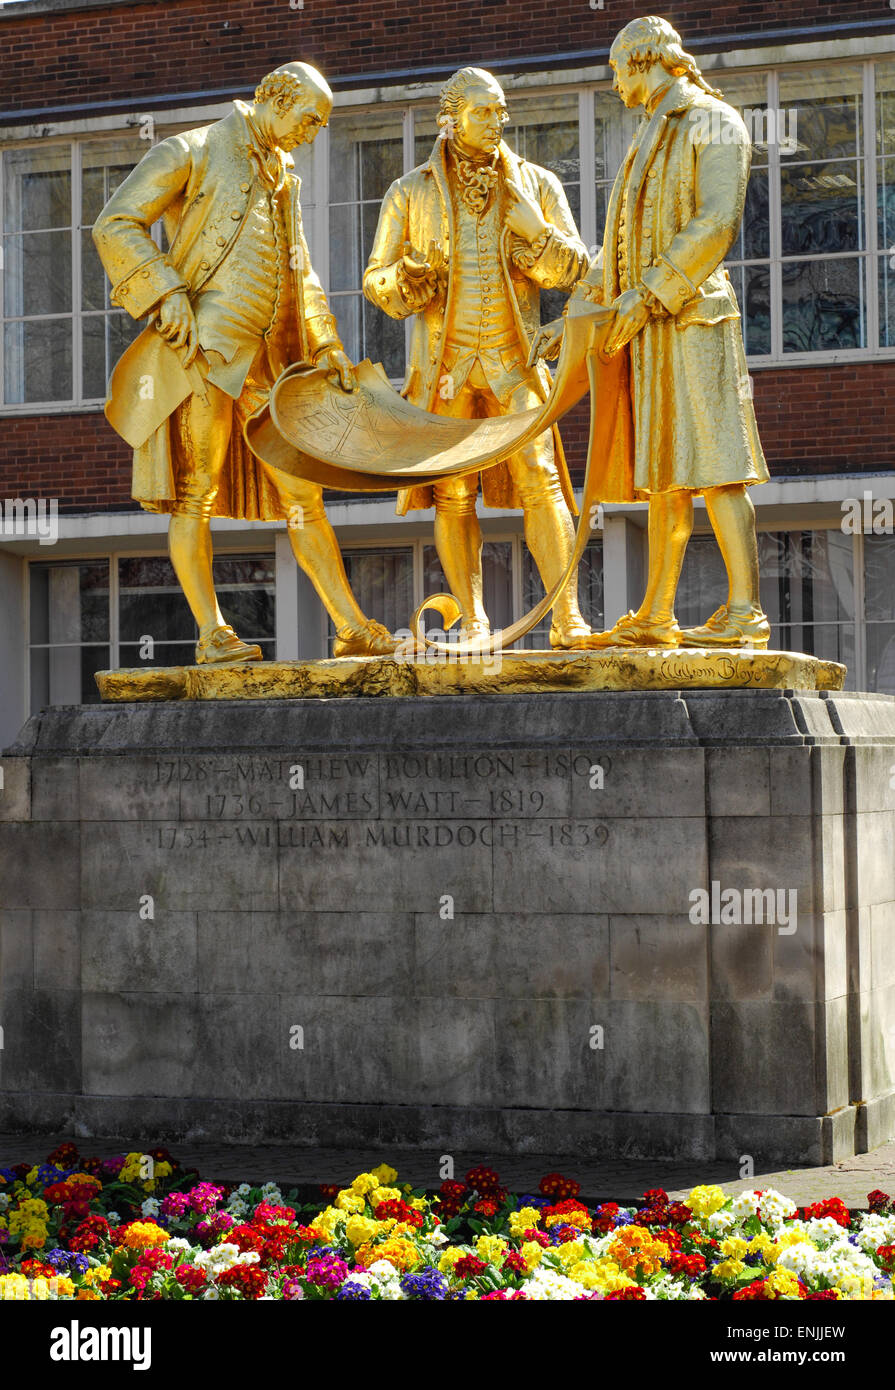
<point x="618" y="1180"/>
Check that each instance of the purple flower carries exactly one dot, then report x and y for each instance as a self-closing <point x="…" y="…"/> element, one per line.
<point x="327" y="1273"/>
<point x="175" y="1204"/>
<point x="205" y="1196"/>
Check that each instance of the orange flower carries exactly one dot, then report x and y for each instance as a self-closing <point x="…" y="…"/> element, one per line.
<point x="635" y="1248"/>
<point x="141" y="1235"/>
<point x="401" y="1253"/>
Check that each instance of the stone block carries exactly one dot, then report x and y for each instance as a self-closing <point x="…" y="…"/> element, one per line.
<point x="882" y="945"/>
<point x="751" y="852"/>
<point x="39" y="864"/>
<point x="121" y="952"/>
<point x="763" y="1057"/>
<point x="16" y="949"/>
<point x="138" y="1044"/>
<point x="15" y="794"/>
<point x="129" y="788"/>
<point x="183" y="867"/>
<point x="482" y="782"/>
<point x="630" y="787"/>
<point x="741" y="960"/>
<point x="41" y="1040"/>
<point x="832" y="1035"/>
<point x="55" y="790"/>
<point x="792" y="777"/>
<point x="738" y="781"/>
<point x="57" y="948"/>
<point x="511" y="956"/>
<point x="658" y="958"/>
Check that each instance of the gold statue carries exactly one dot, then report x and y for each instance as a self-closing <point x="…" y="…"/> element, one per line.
<point x="231" y="304"/>
<point x="673" y="215"/>
<point x="464" y="243"/>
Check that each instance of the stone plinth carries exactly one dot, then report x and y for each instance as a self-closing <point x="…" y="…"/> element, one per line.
<point x="509" y="923"/>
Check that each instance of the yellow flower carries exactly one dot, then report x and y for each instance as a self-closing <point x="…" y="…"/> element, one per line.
<point x="418" y="1204"/>
<point x="364" y="1183"/>
<point x="734" y="1247"/>
<point x="328" y="1220"/>
<point x="384" y="1194"/>
<point x="783" y="1241"/>
<point x="532" y="1254"/>
<point x="525" y="1219"/>
<point x="28" y="1211"/>
<point x="35" y="1238"/>
<point x="63" y="1286"/>
<point x="83" y="1294"/>
<point x="491" y="1248"/>
<point x="403" y="1254"/>
<point x="570" y="1253"/>
<point x="31" y="1178"/>
<point x="600" y="1274"/>
<point x="350" y="1201"/>
<point x="581" y="1219"/>
<point x="98" y="1274"/>
<point x="163" y="1170"/>
<point x="385" y="1175"/>
<point x="703" y="1201"/>
<point x="359" y="1229"/>
<point x="634" y="1247"/>
<point x="449" y="1258"/>
<point x="13" y="1286"/>
<point x="783" y="1282"/>
<point x="728" y="1269"/>
<point x="134" y="1167"/>
<point x="886" y="1295"/>
<point x="141" y="1235"/>
<point x="761" y="1244"/>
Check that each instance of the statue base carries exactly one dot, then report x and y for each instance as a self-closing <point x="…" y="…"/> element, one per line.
<point x="523" y="672"/>
<point x="648" y="923"/>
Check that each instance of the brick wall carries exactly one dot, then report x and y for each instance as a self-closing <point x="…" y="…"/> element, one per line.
<point x="144" y="50"/>
<point x="812" y="420"/>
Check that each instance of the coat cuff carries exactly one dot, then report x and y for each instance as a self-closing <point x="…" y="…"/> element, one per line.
<point x="670" y="285"/>
<point x="142" y="290"/>
<point x="322" y="335"/>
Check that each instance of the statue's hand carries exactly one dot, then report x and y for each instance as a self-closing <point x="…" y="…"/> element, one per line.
<point x="177" y="324"/>
<point x="339" y="366"/>
<point x="547" y="342"/>
<point x="524" y="217"/>
<point x="420" y="274"/>
<point x="631" y="314"/>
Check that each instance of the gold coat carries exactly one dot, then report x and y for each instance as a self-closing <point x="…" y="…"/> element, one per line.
<point x="673" y="215"/>
<point x="202" y="184"/>
<point x="418" y="209"/>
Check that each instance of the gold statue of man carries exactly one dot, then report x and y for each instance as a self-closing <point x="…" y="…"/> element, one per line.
<point x="237" y="300"/>
<point x="464" y="243"/>
<point x="674" y="213"/>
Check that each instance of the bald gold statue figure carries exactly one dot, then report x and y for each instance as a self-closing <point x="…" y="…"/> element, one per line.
<point x="464" y="245"/>
<point x="236" y="297"/>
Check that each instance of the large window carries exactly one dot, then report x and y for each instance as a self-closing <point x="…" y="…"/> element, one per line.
<point x="879" y="609"/>
<point x="94" y="615"/>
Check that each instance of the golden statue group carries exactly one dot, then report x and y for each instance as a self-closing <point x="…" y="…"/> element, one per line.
<point x="464" y="245"/>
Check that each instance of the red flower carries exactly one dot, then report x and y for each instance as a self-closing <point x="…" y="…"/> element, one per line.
<point x="564" y="1207"/>
<point x="398" y="1210"/>
<point x="246" y="1238"/>
<point x="678" y="1213"/>
<point x="540" y="1237"/>
<point x="265" y="1212"/>
<point x="92" y="1230"/>
<point x="826" y="1295"/>
<point x="691" y="1265"/>
<point x="514" y="1263"/>
<point x="487" y="1207"/>
<point x="65" y="1156"/>
<point x="556" y="1186"/>
<point x="190" y="1277"/>
<point x="329" y="1191"/>
<point x="879" y="1201"/>
<point x="832" y="1206"/>
<point x="632" y="1294"/>
<point x="469" y="1266"/>
<point x="887" y="1255"/>
<point x="485" y="1181"/>
<point x="655" y="1196"/>
<point x="250" y="1281"/>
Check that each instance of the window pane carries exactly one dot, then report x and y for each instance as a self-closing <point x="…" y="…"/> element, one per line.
<point x="753" y="291"/>
<point x="748" y="93"/>
<point x="65" y="675"/>
<point x="827" y="107"/>
<point x="806" y="577"/>
<point x="823" y="305"/>
<point x="614" y="127"/>
<point x="884" y="73"/>
<point x="151" y="604"/>
<point x="37" y="188"/>
<point x="37" y="361"/>
<point x="885" y="201"/>
<point x="881" y="657"/>
<point x="887" y="300"/>
<point x="544" y="130"/>
<point x="590" y="594"/>
<point x="104" y="338"/>
<point x="822" y="208"/>
<point x="37" y="274"/>
<point x="349" y="320"/>
<point x="879" y="577"/>
<point x="703" y="582"/>
<point x="382" y="581"/>
<point x="346" y="246"/>
<point x="94" y="284"/>
<point x="497" y="581"/>
<point x="104" y="165"/>
<point x="162" y="653"/>
<point x="383" y="339"/>
<point x="69" y="602"/>
<point x="753" y="241"/>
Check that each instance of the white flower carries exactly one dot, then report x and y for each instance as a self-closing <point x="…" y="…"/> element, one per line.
<point x="237" y="1207"/>
<point x="720" y="1222"/>
<point x="4" y="1201"/>
<point x="383" y="1269"/>
<point x="271" y="1193"/>
<point x="875" y="1230"/>
<point x="437" y="1238"/>
<point x="549" y="1286"/>
<point x="823" y="1229"/>
<point x="243" y="1190"/>
<point x="178" y="1246"/>
<point x="775" y="1208"/>
<point x="113" y="1218"/>
<point x="210" y="1294"/>
<point x="151" y="1207"/>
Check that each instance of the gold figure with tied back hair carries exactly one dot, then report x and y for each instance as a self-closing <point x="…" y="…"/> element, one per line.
<point x="464" y="245"/>
<point x="230" y="305"/>
<point x="673" y="215"/>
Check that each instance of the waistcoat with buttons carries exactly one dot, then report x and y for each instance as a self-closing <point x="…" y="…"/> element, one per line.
<point x="482" y="321"/>
<point x="250" y="296"/>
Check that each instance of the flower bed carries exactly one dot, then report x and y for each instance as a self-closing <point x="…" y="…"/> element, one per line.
<point x="139" y="1227"/>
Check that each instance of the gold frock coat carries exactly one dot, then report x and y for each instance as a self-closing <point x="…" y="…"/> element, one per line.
<point x="418" y="209"/>
<point x="202" y="183"/>
<point x="674" y="213"/>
